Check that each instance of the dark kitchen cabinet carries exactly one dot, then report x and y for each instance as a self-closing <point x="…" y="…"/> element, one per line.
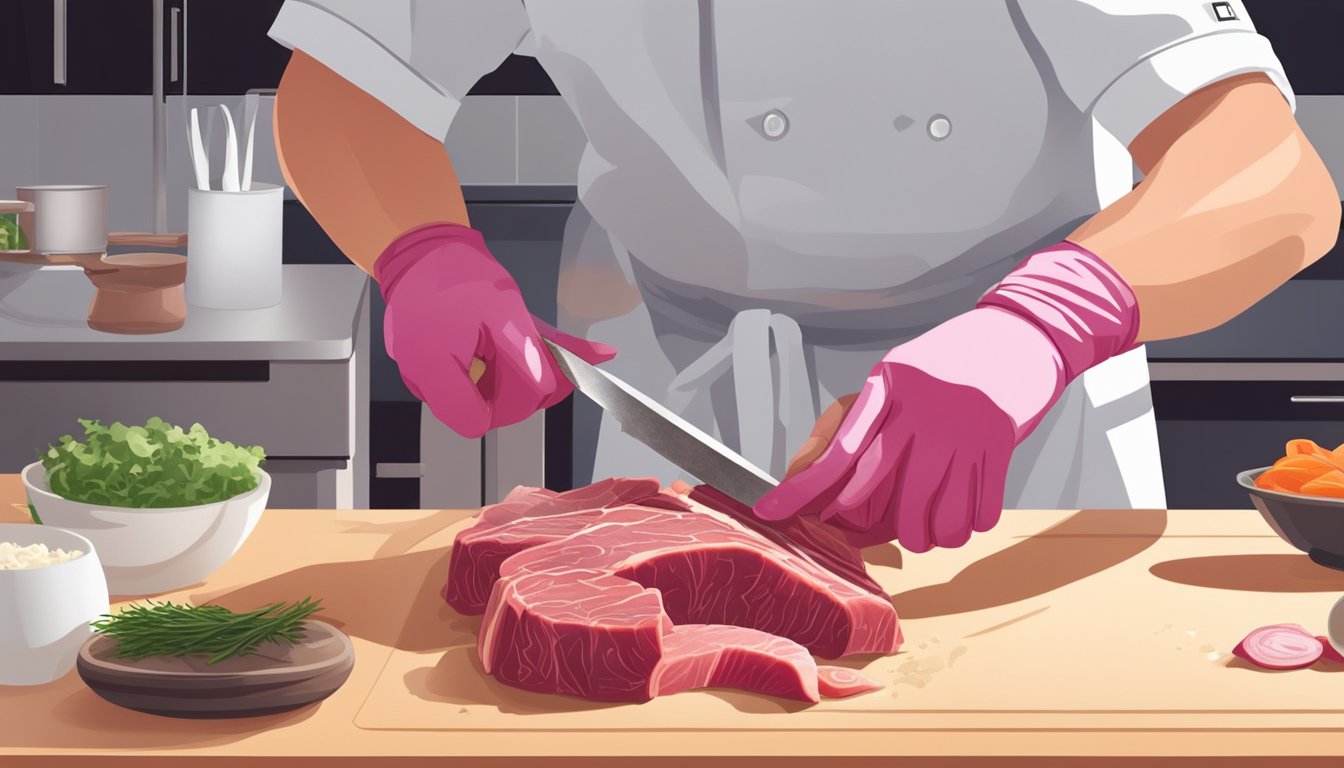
<point x="1211" y="430"/>
<point x="1306" y="37"/>
<point x="26" y="52"/>
<point x="227" y="50"/>
<point x="107" y="47"/>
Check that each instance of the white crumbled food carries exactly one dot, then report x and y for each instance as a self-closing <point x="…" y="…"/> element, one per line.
<point x="15" y="558"/>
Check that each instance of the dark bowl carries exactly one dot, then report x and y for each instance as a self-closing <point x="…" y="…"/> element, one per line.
<point x="1313" y="524"/>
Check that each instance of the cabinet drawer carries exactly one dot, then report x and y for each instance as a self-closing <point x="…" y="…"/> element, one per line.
<point x="294" y="410"/>
<point x="1209" y="431"/>
<point x="1201" y="459"/>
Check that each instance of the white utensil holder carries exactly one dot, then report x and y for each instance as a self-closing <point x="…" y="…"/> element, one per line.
<point x="234" y="247"/>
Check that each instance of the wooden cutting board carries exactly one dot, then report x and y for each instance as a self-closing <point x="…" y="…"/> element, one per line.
<point x="1053" y="620"/>
<point x="276" y="678"/>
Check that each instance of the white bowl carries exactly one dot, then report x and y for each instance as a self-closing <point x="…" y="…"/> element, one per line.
<point x="46" y="612"/>
<point x="151" y="551"/>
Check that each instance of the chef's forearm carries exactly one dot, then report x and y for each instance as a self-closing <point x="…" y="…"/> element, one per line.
<point x="1235" y="202"/>
<point x="365" y="173"/>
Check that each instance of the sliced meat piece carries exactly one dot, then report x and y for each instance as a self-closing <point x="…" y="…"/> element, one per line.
<point x="525" y="518"/>
<point x="588" y="614"/>
<point x="715" y="656"/>
<point x="822" y="543"/>
<point x="839" y="682"/>
<point x="710" y="570"/>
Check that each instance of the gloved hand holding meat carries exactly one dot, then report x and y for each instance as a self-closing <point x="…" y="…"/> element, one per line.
<point x="923" y="450"/>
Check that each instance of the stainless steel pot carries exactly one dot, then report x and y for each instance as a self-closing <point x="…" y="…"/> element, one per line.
<point x="67" y="218"/>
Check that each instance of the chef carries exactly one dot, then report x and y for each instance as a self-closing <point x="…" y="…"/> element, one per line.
<point x="924" y="211"/>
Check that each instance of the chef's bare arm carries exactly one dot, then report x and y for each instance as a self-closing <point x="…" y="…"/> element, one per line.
<point x="1234" y="202"/>
<point x="364" y="172"/>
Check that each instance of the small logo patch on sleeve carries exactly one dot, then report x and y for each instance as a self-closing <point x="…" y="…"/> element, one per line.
<point x="1224" y="12"/>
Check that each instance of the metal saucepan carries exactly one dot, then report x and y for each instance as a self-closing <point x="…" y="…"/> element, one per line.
<point x="65" y="218"/>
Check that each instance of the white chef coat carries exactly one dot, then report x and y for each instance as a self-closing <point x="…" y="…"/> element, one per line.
<point x="775" y="192"/>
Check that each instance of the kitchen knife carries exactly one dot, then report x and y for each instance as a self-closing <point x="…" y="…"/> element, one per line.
<point x="676" y="439"/>
<point x="726" y="477"/>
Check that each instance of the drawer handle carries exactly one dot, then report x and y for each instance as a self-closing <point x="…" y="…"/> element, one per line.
<point x="1316" y="399"/>
<point x="391" y="470"/>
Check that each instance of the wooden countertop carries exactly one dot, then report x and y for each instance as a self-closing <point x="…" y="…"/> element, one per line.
<point x="1059" y="638"/>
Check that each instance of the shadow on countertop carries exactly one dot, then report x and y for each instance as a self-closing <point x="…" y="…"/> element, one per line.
<point x="1252" y="573"/>
<point x="1067" y="552"/>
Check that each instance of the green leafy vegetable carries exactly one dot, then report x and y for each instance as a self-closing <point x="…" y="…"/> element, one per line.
<point x="165" y="629"/>
<point x="11" y="234"/>
<point x="33" y="512"/>
<point x="150" y="467"/>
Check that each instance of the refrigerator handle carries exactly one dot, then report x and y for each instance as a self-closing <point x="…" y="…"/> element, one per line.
<point x="58" y="42"/>
<point x="174" y="21"/>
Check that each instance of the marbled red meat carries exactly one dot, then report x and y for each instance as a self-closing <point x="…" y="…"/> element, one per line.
<point x="498" y="532"/>
<point x="618" y="592"/>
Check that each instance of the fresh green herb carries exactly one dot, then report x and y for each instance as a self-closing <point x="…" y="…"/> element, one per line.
<point x="154" y="466"/>
<point x="11" y="234"/>
<point x="165" y="629"/>
<point x="33" y="511"/>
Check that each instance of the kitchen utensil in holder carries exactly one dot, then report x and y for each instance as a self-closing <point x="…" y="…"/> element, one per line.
<point x="234" y="250"/>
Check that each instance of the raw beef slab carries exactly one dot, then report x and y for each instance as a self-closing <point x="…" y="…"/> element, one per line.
<point x="618" y="592"/>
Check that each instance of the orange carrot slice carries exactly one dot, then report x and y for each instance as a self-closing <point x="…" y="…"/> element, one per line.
<point x="1304" y="447"/>
<point x="1290" y="473"/>
<point x="1329" y="484"/>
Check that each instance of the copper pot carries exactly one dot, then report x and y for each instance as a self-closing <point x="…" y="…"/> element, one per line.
<point x="138" y="293"/>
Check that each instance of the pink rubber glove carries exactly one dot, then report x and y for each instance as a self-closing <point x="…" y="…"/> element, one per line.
<point x="923" y="454"/>
<point x="448" y="301"/>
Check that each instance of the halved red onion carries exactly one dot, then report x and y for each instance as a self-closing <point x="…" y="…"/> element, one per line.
<point x="1280" y="646"/>
<point x="838" y="682"/>
<point x="1329" y="652"/>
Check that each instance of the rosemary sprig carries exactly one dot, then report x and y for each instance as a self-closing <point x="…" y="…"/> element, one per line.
<point x="165" y="629"/>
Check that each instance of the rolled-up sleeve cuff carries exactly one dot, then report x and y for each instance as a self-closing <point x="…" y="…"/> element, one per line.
<point x="1159" y="82"/>
<point x="368" y="64"/>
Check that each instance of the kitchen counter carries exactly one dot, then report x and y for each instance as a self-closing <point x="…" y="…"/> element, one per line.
<point x="293" y="378"/>
<point x="1084" y="636"/>
<point x="43" y="318"/>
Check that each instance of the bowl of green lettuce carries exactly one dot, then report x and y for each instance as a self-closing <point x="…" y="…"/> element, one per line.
<point x="165" y="506"/>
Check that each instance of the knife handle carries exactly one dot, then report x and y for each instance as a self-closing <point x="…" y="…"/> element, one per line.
<point x="476" y="370"/>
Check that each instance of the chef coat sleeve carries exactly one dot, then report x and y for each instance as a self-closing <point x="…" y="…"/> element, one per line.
<point x="1128" y="61"/>
<point x="419" y="57"/>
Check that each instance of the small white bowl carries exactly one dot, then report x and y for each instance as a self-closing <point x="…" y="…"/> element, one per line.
<point x="46" y="613"/>
<point x="151" y="551"/>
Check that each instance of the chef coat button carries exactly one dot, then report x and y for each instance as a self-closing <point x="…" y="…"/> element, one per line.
<point x="775" y="124"/>
<point x="939" y="127"/>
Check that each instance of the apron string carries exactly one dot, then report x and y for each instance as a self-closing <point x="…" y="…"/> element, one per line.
<point x="769" y="428"/>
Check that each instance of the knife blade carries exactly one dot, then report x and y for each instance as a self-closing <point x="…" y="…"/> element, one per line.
<point x="671" y="436"/>
<point x="721" y="470"/>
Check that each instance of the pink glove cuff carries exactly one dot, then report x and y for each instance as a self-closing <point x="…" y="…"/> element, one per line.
<point x="413" y="245"/>
<point x="1078" y="301"/>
